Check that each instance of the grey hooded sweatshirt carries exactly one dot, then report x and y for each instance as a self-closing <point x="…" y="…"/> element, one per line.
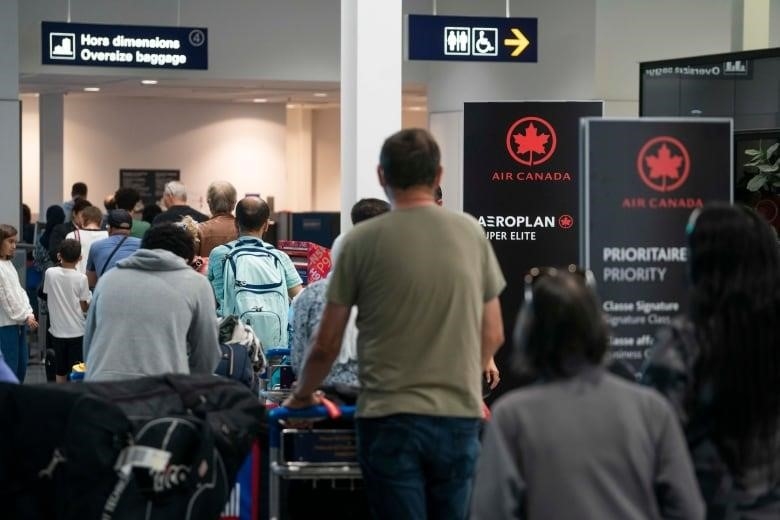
<point x="152" y="314"/>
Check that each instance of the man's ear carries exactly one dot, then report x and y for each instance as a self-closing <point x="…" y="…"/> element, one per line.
<point x="381" y="176"/>
<point x="438" y="176"/>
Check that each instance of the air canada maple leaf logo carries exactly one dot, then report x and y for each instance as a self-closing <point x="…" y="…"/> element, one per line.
<point x="565" y="221"/>
<point x="663" y="163"/>
<point x="531" y="140"/>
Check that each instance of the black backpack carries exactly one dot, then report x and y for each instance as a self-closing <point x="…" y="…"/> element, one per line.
<point x="235" y="363"/>
<point x="169" y="446"/>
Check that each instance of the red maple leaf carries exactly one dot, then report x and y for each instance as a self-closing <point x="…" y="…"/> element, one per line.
<point x="532" y="141"/>
<point x="566" y="221"/>
<point x="664" y="165"/>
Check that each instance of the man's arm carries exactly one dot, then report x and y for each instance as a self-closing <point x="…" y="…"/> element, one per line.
<point x="292" y="292"/>
<point x="324" y="351"/>
<point x="216" y="275"/>
<point x="492" y="331"/>
<point x="92" y="278"/>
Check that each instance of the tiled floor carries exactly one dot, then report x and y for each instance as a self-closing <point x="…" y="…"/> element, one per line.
<point x="36" y="372"/>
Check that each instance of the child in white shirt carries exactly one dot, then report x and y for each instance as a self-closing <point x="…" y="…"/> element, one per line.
<point x="68" y="296"/>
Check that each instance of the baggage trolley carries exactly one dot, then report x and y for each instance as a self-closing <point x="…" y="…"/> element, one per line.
<point x="276" y="382"/>
<point x="309" y="453"/>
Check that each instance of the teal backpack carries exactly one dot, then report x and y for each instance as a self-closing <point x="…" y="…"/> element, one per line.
<point x="255" y="291"/>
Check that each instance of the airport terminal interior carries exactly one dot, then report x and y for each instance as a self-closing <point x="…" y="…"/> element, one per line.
<point x="610" y="164"/>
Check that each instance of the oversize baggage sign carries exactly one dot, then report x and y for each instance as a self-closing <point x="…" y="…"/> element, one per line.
<point x="521" y="181"/>
<point x="642" y="179"/>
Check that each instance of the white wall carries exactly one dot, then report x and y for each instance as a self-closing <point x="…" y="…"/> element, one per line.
<point x="326" y="155"/>
<point x="632" y="31"/>
<point x="243" y="144"/>
<point x="31" y="161"/>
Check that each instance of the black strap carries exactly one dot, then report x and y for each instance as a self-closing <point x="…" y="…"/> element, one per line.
<point x="105" y="266"/>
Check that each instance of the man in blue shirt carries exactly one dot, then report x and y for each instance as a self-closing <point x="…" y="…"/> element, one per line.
<point x="252" y="221"/>
<point x="105" y="253"/>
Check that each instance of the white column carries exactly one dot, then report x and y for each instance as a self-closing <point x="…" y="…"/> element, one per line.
<point x="371" y="58"/>
<point x="51" y="113"/>
<point x="10" y="140"/>
<point x="755" y="24"/>
<point x="299" y="159"/>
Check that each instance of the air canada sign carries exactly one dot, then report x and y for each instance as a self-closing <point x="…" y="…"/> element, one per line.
<point x="521" y="183"/>
<point x="531" y="141"/>
<point x="663" y="165"/>
<point x="641" y="179"/>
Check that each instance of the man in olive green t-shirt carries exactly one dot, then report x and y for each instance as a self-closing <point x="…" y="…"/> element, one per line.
<point x="426" y="283"/>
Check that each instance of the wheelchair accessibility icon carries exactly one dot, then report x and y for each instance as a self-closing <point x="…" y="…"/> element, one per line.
<point x="484" y="41"/>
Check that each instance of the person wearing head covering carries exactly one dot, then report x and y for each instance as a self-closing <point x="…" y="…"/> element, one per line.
<point x="105" y="253"/>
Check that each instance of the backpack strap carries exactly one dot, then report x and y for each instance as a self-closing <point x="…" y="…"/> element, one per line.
<point x="108" y="261"/>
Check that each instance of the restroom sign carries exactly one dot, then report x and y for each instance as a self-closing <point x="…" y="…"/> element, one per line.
<point x="462" y="38"/>
<point x="471" y="41"/>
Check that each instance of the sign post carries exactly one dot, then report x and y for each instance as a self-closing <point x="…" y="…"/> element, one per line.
<point x="521" y="181"/>
<point x="642" y="179"/>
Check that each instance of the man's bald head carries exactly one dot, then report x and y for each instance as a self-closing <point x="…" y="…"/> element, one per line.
<point x="252" y="214"/>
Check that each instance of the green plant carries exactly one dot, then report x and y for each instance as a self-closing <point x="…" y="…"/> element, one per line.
<point x="764" y="166"/>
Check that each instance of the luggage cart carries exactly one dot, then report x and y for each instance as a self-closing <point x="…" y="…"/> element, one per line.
<point x="308" y="453"/>
<point x="276" y="383"/>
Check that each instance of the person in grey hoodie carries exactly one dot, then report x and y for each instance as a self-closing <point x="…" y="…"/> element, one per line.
<point x="152" y="314"/>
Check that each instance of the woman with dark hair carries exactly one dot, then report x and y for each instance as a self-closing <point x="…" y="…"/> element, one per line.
<point x="579" y="442"/>
<point x="15" y="309"/>
<point x="55" y="216"/>
<point x="720" y="365"/>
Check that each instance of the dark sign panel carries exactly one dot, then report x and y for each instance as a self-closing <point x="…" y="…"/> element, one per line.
<point x="521" y="181"/>
<point x="149" y="183"/>
<point x="468" y="38"/>
<point x="98" y="45"/>
<point x="642" y="179"/>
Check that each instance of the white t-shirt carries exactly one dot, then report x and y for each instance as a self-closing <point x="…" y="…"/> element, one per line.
<point x="65" y="288"/>
<point x="86" y="237"/>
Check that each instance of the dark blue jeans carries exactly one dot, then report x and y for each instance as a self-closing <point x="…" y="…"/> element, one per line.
<point x="418" y="466"/>
<point x="13" y="344"/>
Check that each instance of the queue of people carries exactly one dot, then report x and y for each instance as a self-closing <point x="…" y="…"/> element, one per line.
<point x="411" y="315"/>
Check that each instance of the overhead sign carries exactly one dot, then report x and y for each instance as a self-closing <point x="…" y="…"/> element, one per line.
<point x="642" y="179"/>
<point x="99" y="45"/>
<point x="729" y="69"/>
<point x="521" y="182"/>
<point x="467" y="38"/>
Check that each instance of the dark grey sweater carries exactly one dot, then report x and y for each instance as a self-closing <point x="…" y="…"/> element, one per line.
<point x="593" y="446"/>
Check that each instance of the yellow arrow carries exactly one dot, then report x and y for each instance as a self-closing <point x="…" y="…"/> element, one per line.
<point x="520" y="42"/>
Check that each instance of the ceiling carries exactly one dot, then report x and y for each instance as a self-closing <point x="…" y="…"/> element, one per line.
<point x="308" y="94"/>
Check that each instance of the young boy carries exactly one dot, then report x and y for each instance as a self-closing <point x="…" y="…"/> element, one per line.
<point x="68" y="296"/>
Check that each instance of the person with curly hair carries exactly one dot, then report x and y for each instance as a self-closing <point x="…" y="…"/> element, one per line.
<point x="720" y="364"/>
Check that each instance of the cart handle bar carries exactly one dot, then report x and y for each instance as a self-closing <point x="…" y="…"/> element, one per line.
<point x="311" y="412"/>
